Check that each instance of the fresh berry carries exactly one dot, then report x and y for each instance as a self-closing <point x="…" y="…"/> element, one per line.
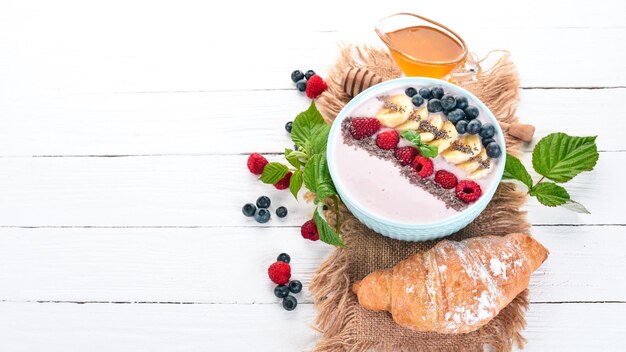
<point x="262" y="216"/>
<point x="362" y="127"/>
<point x="388" y="139"/>
<point x="288" y="126"/>
<point x="423" y="166"/>
<point x="425" y="93"/>
<point x="461" y="126"/>
<point x="493" y="150"/>
<point x="315" y="86"/>
<point x="263" y="202"/>
<point x="281" y="212"/>
<point x="279" y="272"/>
<point x="456" y="115"/>
<point x="281" y="291"/>
<point x="308" y="230"/>
<point x="437" y="92"/>
<point x="487" y="131"/>
<point x="309" y="74"/>
<point x="461" y="102"/>
<point x="405" y="155"/>
<point x="256" y="163"/>
<point x="248" y="209"/>
<point x="448" y="102"/>
<point x="471" y="112"/>
<point x="468" y="191"/>
<point x="284" y="182"/>
<point x="446" y="179"/>
<point x="296" y="76"/>
<point x="486" y="141"/>
<point x="473" y="127"/>
<point x="295" y="286"/>
<point x="301" y="86"/>
<point x="434" y="105"/>
<point x="290" y="303"/>
<point x="410" y="91"/>
<point x="284" y="257"/>
<point x="417" y="100"/>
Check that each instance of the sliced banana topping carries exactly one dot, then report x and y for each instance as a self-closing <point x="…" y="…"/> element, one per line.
<point x="396" y="110"/>
<point x="463" y="149"/>
<point x="431" y="128"/>
<point x="448" y="134"/>
<point x="474" y="163"/>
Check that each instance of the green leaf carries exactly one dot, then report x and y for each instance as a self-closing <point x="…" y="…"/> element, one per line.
<point x="429" y="151"/>
<point x="575" y="206"/>
<point x="295" y="183"/>
<point x="327" y="234"/>
<point x="273" y="172"/>
<point x="309" y="126"/>
<point x="550" y="194"/>
<point x="317" y="177"/>
<point x="515" y="170"/>
<point x="292" y="158"/>
<point x="412" y="137"/>
<point x="560" y="157"/>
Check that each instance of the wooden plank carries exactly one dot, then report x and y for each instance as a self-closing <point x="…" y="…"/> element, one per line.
<point x="241" y="122"/>
<point x="167" y="327"/>
<point x="194" y="265"/>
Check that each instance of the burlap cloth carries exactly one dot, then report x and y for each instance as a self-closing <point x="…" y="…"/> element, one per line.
<point x="344" y="325"/>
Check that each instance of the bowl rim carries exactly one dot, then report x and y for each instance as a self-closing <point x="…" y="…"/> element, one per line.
<point x="396" y="83"/>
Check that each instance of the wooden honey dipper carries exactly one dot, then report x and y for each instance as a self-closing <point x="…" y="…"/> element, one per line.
<point x="520" y="131"/>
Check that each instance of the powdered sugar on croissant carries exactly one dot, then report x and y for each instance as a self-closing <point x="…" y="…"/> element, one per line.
<point x="455" y="287"/>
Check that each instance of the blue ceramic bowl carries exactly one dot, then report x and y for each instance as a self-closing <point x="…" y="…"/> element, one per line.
<point x="403" y="230"/>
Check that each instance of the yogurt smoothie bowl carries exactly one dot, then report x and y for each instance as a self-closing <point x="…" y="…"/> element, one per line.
<point x="416" y="158"/>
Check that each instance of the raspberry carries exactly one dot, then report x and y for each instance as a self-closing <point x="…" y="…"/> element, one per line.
<point x="362" y="127"/>
<point x="388" y="139"/>
<point x="284" y="182"/>
<point x="315" y="86"/>
<point x="309" y="231"/>
<point x="423" y="166"/>
<point x="279" y="272"/>
<point x="405" y="155"/>
<point x="468" y="191"/>
<point x="446" y="179"/>
<point x="256" y="163"/>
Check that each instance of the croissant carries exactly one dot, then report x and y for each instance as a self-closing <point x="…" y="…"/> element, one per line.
<point x="455" y="287"/>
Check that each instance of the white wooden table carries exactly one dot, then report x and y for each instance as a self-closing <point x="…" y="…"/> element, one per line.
<point x="124" y="131"/>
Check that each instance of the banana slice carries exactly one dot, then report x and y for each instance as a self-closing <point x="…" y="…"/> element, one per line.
<point x="469" y="146"/>
<point x="451" y="136"/>
<point x="409" y="125"/>
<point x="414" y="120"/>
<point x="397" y="110"/>
<point x="474" y="164"/>
<point x="436" y="122"/>
<point x="482" y="172"/>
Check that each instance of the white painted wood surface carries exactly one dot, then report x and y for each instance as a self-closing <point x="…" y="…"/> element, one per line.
<point x="124" y="129"/>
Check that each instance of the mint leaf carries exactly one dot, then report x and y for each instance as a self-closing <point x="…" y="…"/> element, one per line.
<point x="575" y="206"/>
<point x="309" y="126"/>
<point x="317" y="177"/>
<point x="292" y="158"/>
<point x="560" y="157"/>
<point x="550" y="194"/>
<point x="515" y="170"/>
<point x="273" y="172"/>
<point x="295" y="183"/>
<point x="327" y="234"/>
<point x="429" y="151"/>
<point x="412" y="137"/>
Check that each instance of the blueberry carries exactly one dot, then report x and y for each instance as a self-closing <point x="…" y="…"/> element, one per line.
<point x="437" y="92"/>
<point x="461" y="102"/>
<point x="473" y="127"/>
<point x="410" y="91"/>
<point x="456" y="115"/>
<point x="281" y="291"/>
<point x="309" y="74"/>
<point x="448" y="102"/>
<point x="487" y="141"/>
<point x="248" y="209"/>
<point x="263" y="202"/>
<point x="461" y="126"/>
<point x="493" y="150"/>
<point x="425" y="93"/>
<point x="262" y="216"/>
<point x="487" y="131"/>
<point x="284" y="257"/>
<point x="296" y="76"/>
<point x="434" y="105"/>
<point x="301" y="86"/>
<point x="281" y="212"/>
<point x="417" y="100"/>
<point x="290" y="302"/>
<point x="295" y="286"/>
<point x="288" y="126"/>
<point x="471" y="112"/>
